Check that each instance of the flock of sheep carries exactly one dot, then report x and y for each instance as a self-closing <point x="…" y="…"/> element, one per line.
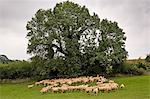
<point x="72" y="84"/>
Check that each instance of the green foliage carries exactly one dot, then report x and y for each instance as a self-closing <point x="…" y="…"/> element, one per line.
<point x="111" y="50"/>
<point x="147" y="58"/>
<point x="132" y="69"/>
<point x="4" y="59"/>
<point x="80" y="40"/>
<point x="48" y="69"/>
<point x="14" y="70"/>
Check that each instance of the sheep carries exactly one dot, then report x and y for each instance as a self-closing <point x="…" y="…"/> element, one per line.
<point x="114" y="86"/>
<point x="69" y="82"/>
<point x="55" y="89"/>
<point x="37" y="83"/>
<point x="91" y="79"/>
<point x="55" y="84"/>
<point x="85" y="80"/>
<point x="104" y="80"/>
<point x="99" y="83"/>
<point x="50" y="86"/>
<point x="96" y="78"/>
<point x="101" y="88"/>
<point x="63" y="89"/>
<point x="111" y="81"/>
<point x="88" y="89"/>
<point x="71" y="88"/>
<point x="44" y="90"/>
<point x="82" y="87"/>
<point x="95" y="91"/>
<point x="30" y="86"/>
<point x="40" y="82"/>
<point x="122" y="86"/>
<point x="47" y="83"/>
<point x="107" y="88"/>
<point x="64" y="83"/>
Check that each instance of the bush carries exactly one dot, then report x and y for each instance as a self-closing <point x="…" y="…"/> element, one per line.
<point x="48" y="69"/>
<point x="14" y="70"/>
<point x="147" y="58"/>
<point x="132" y="69"/>
<point x="38" y="69"/>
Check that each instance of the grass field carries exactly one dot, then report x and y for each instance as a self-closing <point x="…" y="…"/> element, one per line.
<point x="137" y="87"/>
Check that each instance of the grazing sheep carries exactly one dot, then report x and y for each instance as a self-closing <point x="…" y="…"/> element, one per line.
<point x="82" y="87"/>
<point x="30" y="86"/>
<point x="122" y="86"/>
<point x="104" y="80"/>
<point x="107" y="89"/>
<point x="91" y="79"/>
<point x="55" y="89"/>
<point x="55" y="84"/>
<point x="63" y="89"/>
<point x="44" y="90"/>
<point x="111" y="81"/>
<point x="101" y="88"/>
<point x="99" y="83"/>
<point x="85" y="80"/>
<point x="71" y="88"/>
<point x="65" y="84"/>
<point x="114" y="86"/>
<point x="88" y="89"/>
<point x="37" y="83"/>
<point x="95" y="91"/>
<point x="69" y="82"/>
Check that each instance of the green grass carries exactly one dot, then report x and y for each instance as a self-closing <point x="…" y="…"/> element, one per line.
<point x="137" y="87"/>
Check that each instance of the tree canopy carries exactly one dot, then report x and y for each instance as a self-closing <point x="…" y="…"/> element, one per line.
<point x="4" y="59"/>
<point x="147" y="58"/>
<point x="68" y="32"/>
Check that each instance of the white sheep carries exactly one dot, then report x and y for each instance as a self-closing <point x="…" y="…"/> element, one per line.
<point x="44" y="90"/>
<point x="55" y="89"/>
<point x="114" y="86"/>
<point x="63" y="89"/>
<point x="111" y="81"/>
<point x="99" y="83"/>
<point x="89" y="89"/>
<point x="95" y="91"/>
<point x="30" y="86"/>
<point x="37" y="83"/>
<point x="122" y="86"/>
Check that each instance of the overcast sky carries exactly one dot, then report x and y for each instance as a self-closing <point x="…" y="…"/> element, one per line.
<point x="132" y="15"/>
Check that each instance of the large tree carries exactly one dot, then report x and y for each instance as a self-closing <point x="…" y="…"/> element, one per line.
<point x="69" y="32"/>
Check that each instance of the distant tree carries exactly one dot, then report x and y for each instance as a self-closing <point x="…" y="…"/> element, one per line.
<point x="4" y="59"/>
<point x="147" y="58"/>
<point x="70" y="33"/>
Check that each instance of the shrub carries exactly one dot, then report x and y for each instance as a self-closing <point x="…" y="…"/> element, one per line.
<point x="14" y="70"/>
<point x="143" y="66"/>
<point x="48" y="69"/>
<point x="147" y="58"/>
<point x="132" y="69"/>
